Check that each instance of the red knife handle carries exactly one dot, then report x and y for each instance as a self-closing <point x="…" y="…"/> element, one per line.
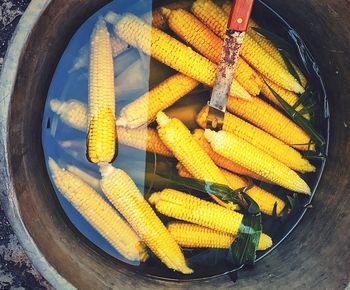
<point x="240" y="14"/>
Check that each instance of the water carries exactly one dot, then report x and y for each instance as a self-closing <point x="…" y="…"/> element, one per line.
<point x="135" y="74"/>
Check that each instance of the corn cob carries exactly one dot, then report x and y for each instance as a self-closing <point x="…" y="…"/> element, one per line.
<point x="194" y="32"/>
<point x="270" y="120"/>
<point x="72" y="113"/>
<point x="171" y="52"/>
<point x="194" y="236"/>
<point x="179" y="140"/>
<point x="98" y="213"/>
<point x="144" y="109"/>
<point x="252" y="52"/>
<point x="263" y="198"/>
<point x="221" y="161"/>
<point x="144" y="138"/>
<point x="124" y="195"/>
<point x="84" y="176"/>
<point x="260" y="139"/>
<point x="101" y="132"/>
<point x="242" y="152"/>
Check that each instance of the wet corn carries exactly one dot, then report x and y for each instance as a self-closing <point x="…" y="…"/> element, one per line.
<point x="194" y="32"/>
<point x="98" y="213"/>
<point x="84" y="176"/>
<point x="242" y="152"/>
<point x="186" y="207"/>
<point x="179" y="140"/>
<point x="262" y="140"/>
<point x="101" y="137"/>
<point x="263" y="198"/>
<point x="216" y="19"/>
<point x="143" y="139"/>
<point x="72" y="112"/>
<point x="128" y="200"/>
<point x="270" y="120"/>
<point x="195" y="236"/>
<point x="144" y="109"/>
<point x="221" y="161"/>
<point x="171" y="52"/>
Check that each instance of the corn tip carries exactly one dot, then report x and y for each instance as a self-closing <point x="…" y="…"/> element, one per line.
<point x="154" y="198"/>
<point x="162" y="119"/>
<point x="53" y="165"/>
<point x="56" y="105"/>
<point x="121" y="122"/>
<point x="105" y="169"/>
<point x="209" y="135"/>
<point x="186" y="270"/>
<point x="112" y="18"/>
<point x="165" y="12"/>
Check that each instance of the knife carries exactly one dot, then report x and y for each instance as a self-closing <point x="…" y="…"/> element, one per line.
<point x="237" y="25"/>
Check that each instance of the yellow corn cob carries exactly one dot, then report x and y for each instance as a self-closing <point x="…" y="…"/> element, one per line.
<point x="101" y="131"/>
<point x="179" y="140"/>
<point x="260" y="139"/>
<point x="290" y="97"/>
<point x="221" y="161"/>
<point x="213" y="16"/>
<point x="144" y="109"/>
<point x="143" y="139"/>
<point x="270" y="120"/>
<point x="242" y="152"/>
<point x="171" y="52"/>
<point x="72" y="112"/>
<point x="195" y="236"/>
<point x="194" y="32"/>
<point x="98" y="213"/>
<point x="263" y="198"/>
<point x="124" y="195"/>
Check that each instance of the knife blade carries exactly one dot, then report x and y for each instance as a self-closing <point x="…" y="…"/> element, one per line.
<point x="237" y="25"/>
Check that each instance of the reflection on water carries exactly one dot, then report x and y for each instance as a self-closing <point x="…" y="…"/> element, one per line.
<point x="135" y="74"/>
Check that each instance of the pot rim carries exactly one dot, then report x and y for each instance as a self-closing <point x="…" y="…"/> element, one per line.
<point x="8" y="198"/>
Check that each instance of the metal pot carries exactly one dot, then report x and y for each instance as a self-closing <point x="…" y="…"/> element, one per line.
<point x="315" y="255"/>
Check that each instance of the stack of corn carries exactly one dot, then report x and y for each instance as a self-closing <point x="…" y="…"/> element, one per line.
<point x="263" y="146"/>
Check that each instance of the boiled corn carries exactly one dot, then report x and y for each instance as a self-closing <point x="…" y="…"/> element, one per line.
<point x="221" y="161"/>
<point x="171" y="52"/>
<point x="213" y="16"/>
<point x="98" y="213"/>
<point x="144" y="109"/>
<point x="125" y="196"/>
<point x="101" y="137"/>
<point x="194" y="32"/>
<point x="270" y="120"/>
<point x="263" y="198"/>
<point x="179" y="140"/>
<point x="260" y="139"/>
<point x="195" y="236"/>
<point x="242" y="152"/>
<point x="72" y="112"/>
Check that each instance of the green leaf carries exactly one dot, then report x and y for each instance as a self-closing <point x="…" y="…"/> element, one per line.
<point x="244" y="247"/>
<point x="290" y="66"/>
<point x="299" y="119"/>
<point x="303" y="97"/>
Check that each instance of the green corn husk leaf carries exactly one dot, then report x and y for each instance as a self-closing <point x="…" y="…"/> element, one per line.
<point x="290" y="66"/>
<point x="243" y="250"/>
<point x="303" y="97"/>
<point x="298" y="118"/>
